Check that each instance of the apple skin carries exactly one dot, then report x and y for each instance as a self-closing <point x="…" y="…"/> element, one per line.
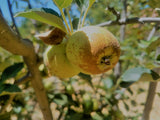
<point x="93" y="49"/>
<point x="57" y="63"/>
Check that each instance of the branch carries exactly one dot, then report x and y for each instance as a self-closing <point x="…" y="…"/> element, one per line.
<point x="117" y="69"/>
<point x="131" y="21"/>
<point x="24" y="79"/>
<point x="117" y="14"/>
<point x="14" y="23"/>
<point x="14" y="44"/>
<point x="152" y="85"/>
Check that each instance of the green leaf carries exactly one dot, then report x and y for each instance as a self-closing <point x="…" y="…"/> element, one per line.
<point x="153" y="45"/>
<point x="74" y="116"/>
<point x="91" y="2"/>
<point x="75" y="23"/>
<point x="126" y="106"/>
<point x="87" y="78"/>
<point x="9" y="89"/>
<point x="11" y="71"/>
<point x="97" y="116"/>
<point x="136" y="74"/>
<point x="44" y="15"/>
<point x="60" y="99"/>
<point x="80" y="3"/>
<point x="62" y="3"/>
<point x="158" y="58"/>
<point x="108" y="83"/>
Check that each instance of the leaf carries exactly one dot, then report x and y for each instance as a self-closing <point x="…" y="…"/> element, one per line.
<point x="153" y="45"/>
<point x="126" y="106"/>
<point x="87" y="78"/>
<point x="44" y="15"/>
<point x="52" y="37"/>
<point x="97" y="116"/>
<point x="80" y="3"/>
<point x="61" y="99"/>
<point x="62" y="3"/>
<point x="9" y="89"/>
<point x="91" y="2"/>
<point x="136" y="74"/>
<point x="75" y="23"/>
<point x="74" y="116"/>
<point x="83" y="4"/>
<point x="158" y="58"/>
<point x="11" y="71"/>
<point x="108" y="83"/>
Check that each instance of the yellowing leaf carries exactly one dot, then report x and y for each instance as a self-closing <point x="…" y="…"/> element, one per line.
<point x="91" y="2"/>
<point x="62" y="3"/>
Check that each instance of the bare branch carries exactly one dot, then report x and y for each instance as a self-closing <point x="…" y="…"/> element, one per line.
<point x="13" y="20"/>
<point x="131" y="21"/>
<point x="24" y="79"/>
<point x="152" y="85"/>
<point x="117" y="14"/>
<point x="149" y="102"/>
<point x="14" y="44"/>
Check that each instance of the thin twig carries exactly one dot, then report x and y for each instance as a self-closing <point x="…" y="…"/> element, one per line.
<point x="24" y="79"/>
<point x="152" y="86"/>
<point x="149" y="102"/>
<point x="131" y="21"/>
<point x="117" y="14"/>
<point x="13" y="20"/>
<point x="70" y="21"/>
<point x="11" y="97"/>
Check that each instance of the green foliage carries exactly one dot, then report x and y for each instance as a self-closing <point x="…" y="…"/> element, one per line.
<point x="9" y="89"/>
<point x="44" y="15"/>
<point x="133" y="75"/>
<point x="85" y="97"/>
<point x="11" y="72"/>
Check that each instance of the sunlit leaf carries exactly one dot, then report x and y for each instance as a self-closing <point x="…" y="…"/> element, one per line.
<point x="136" y="74"/>
<point x="97" y="116"/>
<point x="108" y="83"/>
<point x="60" y="99"/>
<point x="153" y="45"/>
<point x="44" y="15"/>
<point x="11" y="71"/>
<point x="91" y="2"/>
<point x="62" y="3"/>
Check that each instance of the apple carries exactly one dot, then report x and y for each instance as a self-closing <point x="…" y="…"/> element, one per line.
<point x="57" y="63"/>
<point x="93" y="50"/>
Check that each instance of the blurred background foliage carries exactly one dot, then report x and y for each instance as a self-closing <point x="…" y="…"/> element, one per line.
<point x="83" y="97"/>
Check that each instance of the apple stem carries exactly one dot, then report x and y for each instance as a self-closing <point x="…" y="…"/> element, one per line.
<point x="70" y="21"/>
<point x="64" y="18"/>
<point x="79" y="23"/>
<point x="85" y="15"/>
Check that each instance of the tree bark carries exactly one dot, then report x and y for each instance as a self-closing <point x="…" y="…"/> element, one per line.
<point x="14" y="44"/>
<point x="152" y="85"/>
<point x="149" y="101"/>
